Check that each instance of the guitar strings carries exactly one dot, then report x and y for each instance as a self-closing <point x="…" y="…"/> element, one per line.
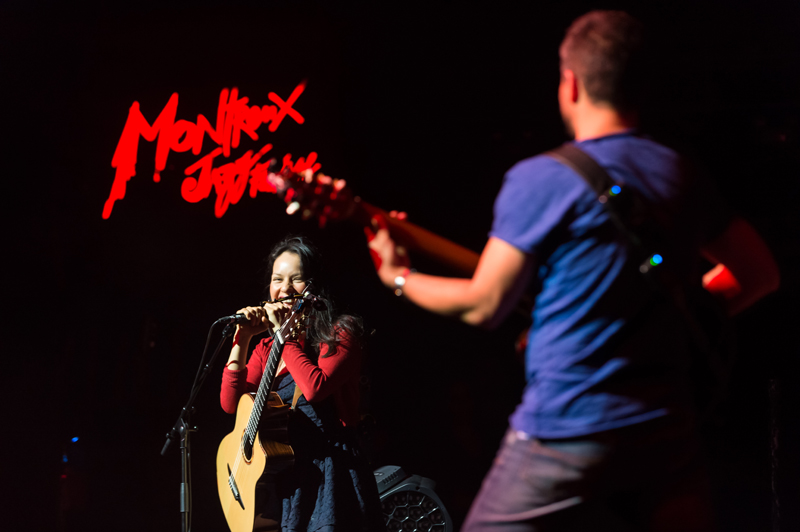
<point x="249" y="433"/>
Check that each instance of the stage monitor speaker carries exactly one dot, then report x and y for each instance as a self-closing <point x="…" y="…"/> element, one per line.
<point x="409" y="503"/>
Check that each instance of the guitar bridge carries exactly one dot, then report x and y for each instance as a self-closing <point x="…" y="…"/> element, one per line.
<point x="234" y="488"/>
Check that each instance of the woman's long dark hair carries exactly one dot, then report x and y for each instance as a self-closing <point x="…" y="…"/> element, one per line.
<point x="326" y="324"/>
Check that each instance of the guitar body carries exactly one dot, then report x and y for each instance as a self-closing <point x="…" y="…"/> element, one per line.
<point x="270" y="454"/>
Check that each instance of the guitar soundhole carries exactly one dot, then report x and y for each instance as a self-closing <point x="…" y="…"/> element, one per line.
<point x="247" y="449"/>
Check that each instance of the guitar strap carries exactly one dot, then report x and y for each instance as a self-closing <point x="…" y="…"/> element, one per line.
<point x="297" y="394"/>
<point x="617" y="204"/>
<point x="583" y="164"/>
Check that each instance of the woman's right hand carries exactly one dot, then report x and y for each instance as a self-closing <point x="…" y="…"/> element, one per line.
<point x="257" y="321"/>
<point x="262" y="319"/>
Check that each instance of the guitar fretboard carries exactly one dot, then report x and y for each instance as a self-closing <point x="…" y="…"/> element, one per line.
<point x="265" y="387"/>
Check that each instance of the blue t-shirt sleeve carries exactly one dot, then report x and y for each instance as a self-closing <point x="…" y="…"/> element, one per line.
<point x="536" y="196"/>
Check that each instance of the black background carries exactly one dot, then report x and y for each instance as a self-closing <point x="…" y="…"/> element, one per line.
<point x="421" y="108"/>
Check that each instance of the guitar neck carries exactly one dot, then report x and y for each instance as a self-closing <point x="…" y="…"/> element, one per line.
<point x="271" y="367"/>
<point x="413" y="237"/>
<point x="265" y="387"/>
<point x="328" y="201"/>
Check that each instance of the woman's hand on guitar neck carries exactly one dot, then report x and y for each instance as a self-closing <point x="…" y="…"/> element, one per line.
<point x="390" y="260"/>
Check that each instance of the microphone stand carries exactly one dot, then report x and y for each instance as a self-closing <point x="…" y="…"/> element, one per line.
<point x="183" y="427"/>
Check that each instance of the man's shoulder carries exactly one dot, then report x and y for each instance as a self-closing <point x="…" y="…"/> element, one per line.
<point x="539" y="174"/>
<point x="636" y="151"/>
<point x="535" y="166"/>
<point x="611" y="150"/>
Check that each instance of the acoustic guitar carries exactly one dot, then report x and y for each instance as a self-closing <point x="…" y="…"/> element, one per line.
<point x="258" y="446"/>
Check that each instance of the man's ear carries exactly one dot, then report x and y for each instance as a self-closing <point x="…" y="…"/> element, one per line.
<point x="572" y="85"/>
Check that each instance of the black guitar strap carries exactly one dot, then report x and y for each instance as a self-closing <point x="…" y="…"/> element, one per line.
<point x="608" y="191"/>
<point x="586" y="167"/>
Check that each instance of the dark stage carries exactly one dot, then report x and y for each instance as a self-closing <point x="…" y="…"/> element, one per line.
<point x="419" y="108"/>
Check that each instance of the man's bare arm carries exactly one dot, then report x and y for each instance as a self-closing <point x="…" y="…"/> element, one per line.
<point x="483" y="300"/>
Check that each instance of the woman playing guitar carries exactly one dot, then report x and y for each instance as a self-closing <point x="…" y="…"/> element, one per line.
<point x="330" y="487"/>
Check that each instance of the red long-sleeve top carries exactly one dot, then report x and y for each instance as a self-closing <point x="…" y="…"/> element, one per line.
<point x="336" y="375"/>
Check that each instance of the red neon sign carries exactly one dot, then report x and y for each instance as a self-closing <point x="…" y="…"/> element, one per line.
<point x="230" y="180"/>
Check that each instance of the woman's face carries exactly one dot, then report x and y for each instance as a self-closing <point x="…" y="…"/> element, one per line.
<point x="287" y="276"/>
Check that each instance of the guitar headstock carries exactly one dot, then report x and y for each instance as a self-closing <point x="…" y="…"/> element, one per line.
<point x="313" y="195"/>
<point x="296" y="326"/>
<point x="296" y="323"/>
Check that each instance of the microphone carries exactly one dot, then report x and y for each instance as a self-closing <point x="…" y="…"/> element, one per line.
<point x="235" y="318"/>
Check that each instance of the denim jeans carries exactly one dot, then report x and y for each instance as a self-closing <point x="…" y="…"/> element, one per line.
<point x="647" y="477"/>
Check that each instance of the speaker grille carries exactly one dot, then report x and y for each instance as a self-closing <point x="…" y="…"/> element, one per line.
<point x="412" y="511"/>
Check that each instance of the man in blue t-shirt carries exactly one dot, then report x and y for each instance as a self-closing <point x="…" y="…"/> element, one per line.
<point x="603" y="438"/>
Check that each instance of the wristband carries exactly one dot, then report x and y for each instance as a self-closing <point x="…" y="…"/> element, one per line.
<point x="400" y="281"/>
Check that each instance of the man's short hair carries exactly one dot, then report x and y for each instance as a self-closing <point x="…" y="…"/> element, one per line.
<point x="603" y="49"/>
